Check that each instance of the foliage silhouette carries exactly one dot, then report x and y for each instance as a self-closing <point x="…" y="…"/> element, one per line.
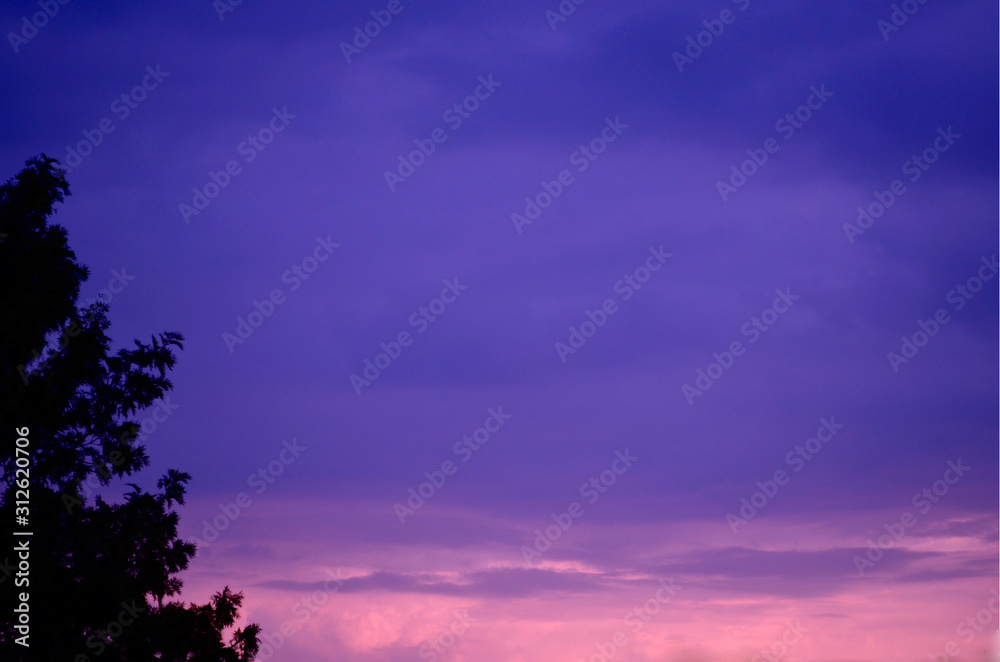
<point x="99" y="571"/>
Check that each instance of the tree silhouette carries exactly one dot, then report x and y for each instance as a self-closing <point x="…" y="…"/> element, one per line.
<point x="99" y="571"/>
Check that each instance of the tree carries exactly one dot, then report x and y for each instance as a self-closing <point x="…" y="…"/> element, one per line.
<point x="99" y="571"/>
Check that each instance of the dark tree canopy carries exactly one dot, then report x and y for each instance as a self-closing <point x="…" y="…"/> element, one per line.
<point x="100" y="571"/>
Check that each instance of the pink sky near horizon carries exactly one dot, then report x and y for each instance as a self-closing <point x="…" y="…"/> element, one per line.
<point x="398" y="596"/>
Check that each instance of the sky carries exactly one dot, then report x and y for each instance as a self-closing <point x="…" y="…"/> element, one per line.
<point x="541" y="331"/>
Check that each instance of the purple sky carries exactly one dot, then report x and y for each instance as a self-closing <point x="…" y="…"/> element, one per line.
<point x="641" y="147"/>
